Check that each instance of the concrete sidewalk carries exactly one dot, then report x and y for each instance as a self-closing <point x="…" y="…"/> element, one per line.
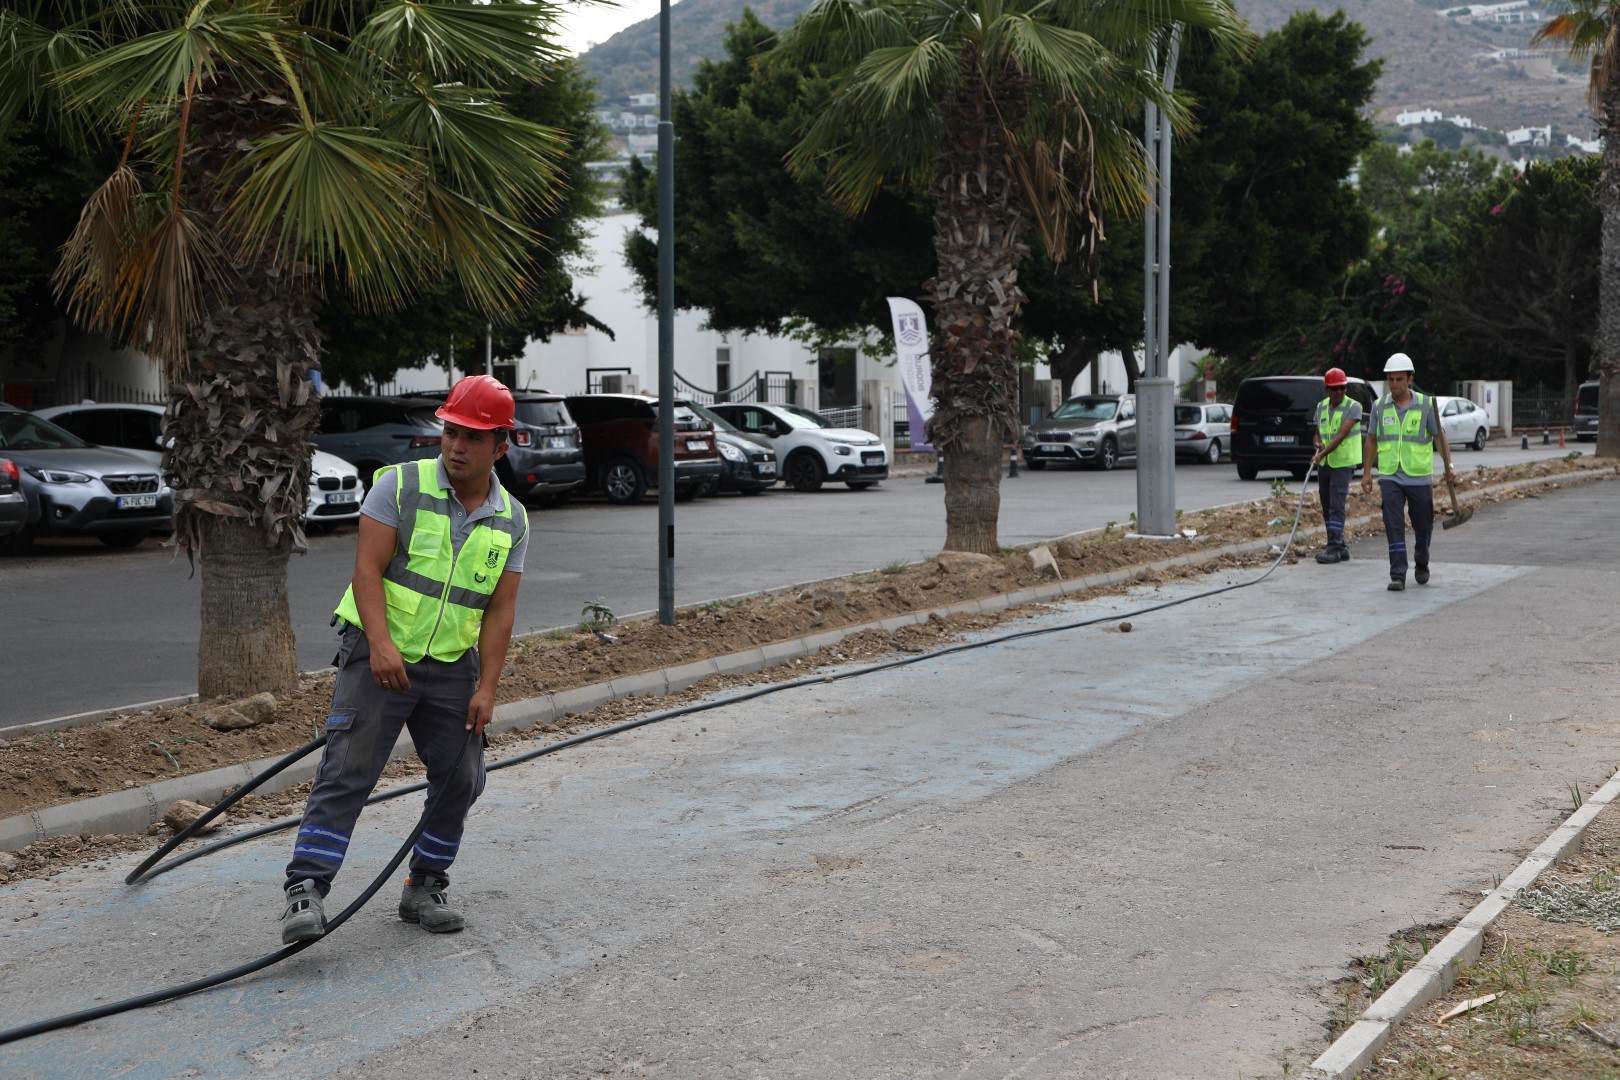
<point x="1087" y="853"/>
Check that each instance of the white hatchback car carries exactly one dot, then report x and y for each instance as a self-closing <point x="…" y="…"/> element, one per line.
<point x="335" y="488"/>
<point x="810" y="449"/>
<point x="1463" y="422"/>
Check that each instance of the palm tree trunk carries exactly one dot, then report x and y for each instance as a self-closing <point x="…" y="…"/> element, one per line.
<point x="247" y="635"/>
<point x="1607" y="347"/>
<point x="978" y="221"/>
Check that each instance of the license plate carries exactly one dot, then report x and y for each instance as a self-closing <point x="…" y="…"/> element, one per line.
<point x="342" y="498"/>
<point x="554" y="442"/>
<point x="1283" y="440"/>
<point x="766" y="468"/>
<point x="136" y="502"/>
<point x="697" y="444"/>
<point x="1047" y="448"/>
<point x="871" y="459"/>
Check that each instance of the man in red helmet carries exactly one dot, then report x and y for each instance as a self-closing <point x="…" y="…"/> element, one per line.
<point x="426" y="623"/>
<point x="1338" y="452"/>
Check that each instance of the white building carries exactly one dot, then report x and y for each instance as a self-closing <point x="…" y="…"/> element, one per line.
<point x="1533" y="136"/>
<point x="1590" y="146"/>
<point x="1415" y="117"/>
<point x="644" y="101"/>
<point x="1461" y="121"/>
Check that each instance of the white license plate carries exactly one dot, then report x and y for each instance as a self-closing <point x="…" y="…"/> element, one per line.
<point x="555" y="442"/>
<point x="343" y="498"/>
<point x="136" y="502"/>
<point x="1283" y="440"/>
<point x="1048" y="448"/>
<point x="697" y="444"/>
<point x="767" y="468"/>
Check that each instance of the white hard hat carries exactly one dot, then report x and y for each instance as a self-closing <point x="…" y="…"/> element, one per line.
<point x="1398" y="362"/>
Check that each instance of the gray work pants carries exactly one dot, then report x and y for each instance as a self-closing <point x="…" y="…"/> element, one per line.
<point x="1333" y="489"/>
<point x="362" y="727"/>
<point x="1400" y="502"/>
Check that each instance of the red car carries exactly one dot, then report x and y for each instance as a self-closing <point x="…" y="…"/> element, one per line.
<point x="619" y="434"/>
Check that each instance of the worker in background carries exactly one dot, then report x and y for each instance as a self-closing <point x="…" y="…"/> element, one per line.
<point x="426" y="624"/>
<point x="1338" y="452"/>
<point x="1402" y="436"/>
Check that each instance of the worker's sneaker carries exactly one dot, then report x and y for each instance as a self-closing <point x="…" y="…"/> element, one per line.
<point x="1397" y="584"/>
<point x="1422" y="573"/>
<point x="303" y="919"/>
<point x="1344" y="554"/>
<point x="425" y="902"/>
<point x="1328" y="555"/>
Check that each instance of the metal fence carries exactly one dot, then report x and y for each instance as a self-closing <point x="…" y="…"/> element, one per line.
<point x="1542" y="406"/>
<point x="72" y="389"/>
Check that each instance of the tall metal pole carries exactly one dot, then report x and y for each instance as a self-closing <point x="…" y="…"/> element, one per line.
<point x="666" y="331"/>
<point x="1156" y="390"/>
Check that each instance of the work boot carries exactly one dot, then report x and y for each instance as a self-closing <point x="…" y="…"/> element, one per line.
<point x="1344" y="554"/>
<point x="424" y="902"/>
<point x="1328" y="555"/>
<point x="1397" y="584"/>
<point x="304" y="919"/>
<point x="1422" y="573"/>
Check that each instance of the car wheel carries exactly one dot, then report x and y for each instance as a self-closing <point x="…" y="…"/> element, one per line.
<point x="1107" y="455"/>
<point x="1212" y="456"/>
<point x="805" y="472"/>
<point x="622" y="481"/>
<point x="1247" y="472"/>
<point x="126" y="538"/>
<point x="1034" y="466"/>
<point x="1479" y="439"/>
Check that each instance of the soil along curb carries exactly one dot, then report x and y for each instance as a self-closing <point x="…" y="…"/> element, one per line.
<point x="136" y="809"/>
<point x="1437" y="971"/>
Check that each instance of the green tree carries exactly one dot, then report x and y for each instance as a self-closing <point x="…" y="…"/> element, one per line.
<point x="1012" y="115"/>
<point x="264" y="142"/>
<point x="1591" y="28"/>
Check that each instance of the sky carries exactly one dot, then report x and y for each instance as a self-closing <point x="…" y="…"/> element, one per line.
<point x="584" y="25"/>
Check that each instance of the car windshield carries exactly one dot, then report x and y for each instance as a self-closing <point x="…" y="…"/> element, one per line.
<point x="796" y="417"/>
<point x="543" y="414"/>
<point x="1586" y="398"/>
<point x="1280" y="395"/>
<point x="20" y="431"/>
<point x="720" y="422"/>
<point x="1189" y="414"/>
<point x="1087" y="408"/>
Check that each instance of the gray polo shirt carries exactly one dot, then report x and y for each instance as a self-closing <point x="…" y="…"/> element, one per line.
<point x="1352" y="411"/>
<point x="1431" y="428"/>
<point x="381" y="499"/>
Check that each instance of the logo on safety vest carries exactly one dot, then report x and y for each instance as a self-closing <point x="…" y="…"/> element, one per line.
<point x="492" y="558"/>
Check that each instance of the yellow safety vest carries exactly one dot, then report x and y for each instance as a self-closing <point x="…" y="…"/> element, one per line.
<point x="1403" y="443"/>
<point x="1349" y="451"/>
<point x="435" y="603"/>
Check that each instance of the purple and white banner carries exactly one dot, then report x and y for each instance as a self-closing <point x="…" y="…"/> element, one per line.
<point x="916" y="369"/>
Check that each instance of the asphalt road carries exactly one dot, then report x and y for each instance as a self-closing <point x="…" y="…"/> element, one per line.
<point x="85" y="627"/>
<point x="1087" y="854"/>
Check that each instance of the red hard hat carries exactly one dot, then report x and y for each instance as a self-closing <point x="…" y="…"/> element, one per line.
<point x="1334" y="377"/>
<point x="478" y="401"/>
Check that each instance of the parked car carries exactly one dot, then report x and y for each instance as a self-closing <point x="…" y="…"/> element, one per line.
<point x="1092" y="429"/>
<point x="75" y="489"/>
<point x="619" y="434"/>
<point x="811" y="449"/>
<point x="1274" y="422"/>
<point x="747" y="462"/>
<point x="334" y="484"/>
<point x="377" y="431"/>
<point x="1203" y="431"/>
<point x="544" y="461"/>
<point x="1586" y="412"/>
<point x="13" y="507"/>
<point x="1464" y="423"/>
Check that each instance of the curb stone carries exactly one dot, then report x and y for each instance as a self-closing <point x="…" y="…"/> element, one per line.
<point x="136" y="809"/>
<point x="1357" y="1048"/>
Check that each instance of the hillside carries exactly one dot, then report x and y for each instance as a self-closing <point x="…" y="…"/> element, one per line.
<point x="1429" y="62"/>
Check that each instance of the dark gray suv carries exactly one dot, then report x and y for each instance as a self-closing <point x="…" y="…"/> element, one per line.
<point x="370" y="432"/>
<point x="544" y="460"/>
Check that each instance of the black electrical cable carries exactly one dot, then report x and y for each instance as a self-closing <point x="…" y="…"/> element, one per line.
<point x="40" y="1027"/>
<point x="156" y="996"/>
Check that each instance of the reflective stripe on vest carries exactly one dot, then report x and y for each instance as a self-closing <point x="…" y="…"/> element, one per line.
<point x="436" y="604"/>
<point x="1402" y="442"/>
<point x="1349" y="451"/>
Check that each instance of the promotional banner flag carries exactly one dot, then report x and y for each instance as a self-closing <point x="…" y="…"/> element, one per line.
<point x="916" y="369"/>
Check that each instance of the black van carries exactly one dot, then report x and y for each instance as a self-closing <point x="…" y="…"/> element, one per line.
<point x="1272" y="422"/>
<point x="1586" y="412"/>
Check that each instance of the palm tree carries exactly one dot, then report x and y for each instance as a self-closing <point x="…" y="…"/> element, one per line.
<point x="1015" y="114"/>
<point x="1591" y="28"/>
<point x="264" y="144"/>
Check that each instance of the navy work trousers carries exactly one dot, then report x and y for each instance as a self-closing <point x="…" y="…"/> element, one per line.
<point x="362" y="727"/>
<point x="1401" y="501"/>
<point x="1333" y="489"/>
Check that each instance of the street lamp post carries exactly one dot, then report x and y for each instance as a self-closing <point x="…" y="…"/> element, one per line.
<point x="666" y="331"/>
<point x="1156" y="390"/>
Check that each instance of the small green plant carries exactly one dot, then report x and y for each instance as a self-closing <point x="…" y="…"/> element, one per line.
<point x="711" y="607"/>
<point x="1133" y="520"/>
<point x="1572" y="455"/>
<point x="559" y="634"/>
<point x="1575" y="796"/>
<point x="1179" y="512"/>
<point x="1567" y="964"/>
<point x="1108" y="528"/>
<point x="596" y="615"/>
<point x="893" y="568"/>
<point x="1279" y="488"/>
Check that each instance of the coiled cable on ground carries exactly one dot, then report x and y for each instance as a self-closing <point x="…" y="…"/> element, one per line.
<point x="146" y="870"/>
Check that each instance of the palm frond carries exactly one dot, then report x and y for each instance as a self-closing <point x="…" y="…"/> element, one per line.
<point x="487" y="251"/>
<point x="176" y="274"/>
<point x="489" y="42"/>
<point x="92" y="259"/>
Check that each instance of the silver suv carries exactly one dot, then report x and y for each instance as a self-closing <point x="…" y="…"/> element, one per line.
<point x="1092" y="429"/>
<point x="75" y="489"/>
